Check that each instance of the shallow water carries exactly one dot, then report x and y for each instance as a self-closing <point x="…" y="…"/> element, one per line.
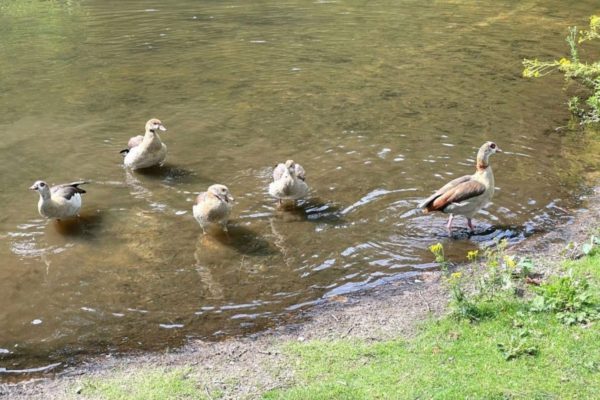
<point x="380" y="101"/>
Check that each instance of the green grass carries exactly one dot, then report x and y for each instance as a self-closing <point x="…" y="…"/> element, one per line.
<point x="155" y="384"/>
<point x="453" y="359"/>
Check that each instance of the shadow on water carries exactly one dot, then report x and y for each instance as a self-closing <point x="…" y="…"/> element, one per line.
<point x="488" y="234"/>
<point x="86" y="226"/>
<point x="243" y="240"/>
<point x="167" y="172"/>
<point x="313" y="210"/>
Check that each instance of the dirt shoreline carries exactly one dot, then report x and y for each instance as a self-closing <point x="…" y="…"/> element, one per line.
<point x="247" y="367"/>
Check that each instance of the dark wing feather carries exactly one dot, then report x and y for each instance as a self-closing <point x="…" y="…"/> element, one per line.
<point x="453" y="183"/>
<point x="68" y="190"/>
<point x="460" y="192"/>
<point x="134" y="141"/>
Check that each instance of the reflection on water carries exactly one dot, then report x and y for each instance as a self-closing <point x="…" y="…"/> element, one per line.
<point x="380" y="101"/>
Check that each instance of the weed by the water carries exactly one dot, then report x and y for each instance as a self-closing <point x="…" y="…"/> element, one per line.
<point x="462" y="304"/>
<point x="438" y="253"/>
<point x="591" y="245"/>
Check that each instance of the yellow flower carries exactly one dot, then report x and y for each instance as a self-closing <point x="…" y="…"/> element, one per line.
<point x="472" y="255"/>
<point x="436" y="248"/>
<point x="454" y="278"/>
<point x="510" y="262"/>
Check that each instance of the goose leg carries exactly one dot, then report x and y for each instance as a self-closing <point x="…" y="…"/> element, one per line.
<point x="449" y="224"/>
<point x="470" y="225"/>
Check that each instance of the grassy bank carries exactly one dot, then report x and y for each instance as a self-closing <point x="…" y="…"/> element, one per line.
<point x="515" y="329"/>
<point x="511" y="335"/>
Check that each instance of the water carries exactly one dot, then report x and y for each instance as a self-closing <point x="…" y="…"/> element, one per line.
<point x="380" y="101"/>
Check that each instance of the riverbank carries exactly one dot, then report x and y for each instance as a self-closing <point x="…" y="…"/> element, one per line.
<point x="395" y="341"/>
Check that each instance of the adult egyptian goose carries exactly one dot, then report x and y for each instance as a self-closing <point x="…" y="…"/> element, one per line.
<point x="60" y="201"/>
<point x="288" y="182"/>
<point x="212" y="207"/>
<point x="468" y="194"/>
<point x="147" y="150"/>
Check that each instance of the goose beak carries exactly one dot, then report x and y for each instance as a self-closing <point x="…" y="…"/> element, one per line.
<point x="498" y="150"/>
<point x="230" y="198"/>
<point x="33" y="187"/>
<point x="162" y="128"/>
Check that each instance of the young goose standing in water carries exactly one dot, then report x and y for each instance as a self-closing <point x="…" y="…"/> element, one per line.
<point x="468" y="194"/>
<point x="288" y="182"/>
<point x="212" y="208"/>
<point x="146" y="151"/>
<point x="60" y="201"/>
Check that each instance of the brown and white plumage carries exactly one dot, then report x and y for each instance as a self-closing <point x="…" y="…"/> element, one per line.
<point x="468" y="194"/>
<point x="288" y="181"/>
<point x="212" y="207"/>
<point x="60" y="201"/>
<point x="146" y="150"/>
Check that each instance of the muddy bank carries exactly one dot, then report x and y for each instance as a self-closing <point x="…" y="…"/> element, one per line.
<point x="247" y="367"/>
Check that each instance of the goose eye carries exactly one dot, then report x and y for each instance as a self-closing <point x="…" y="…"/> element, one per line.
<point x="42" y="184"/>
<point x="493" y="145"/>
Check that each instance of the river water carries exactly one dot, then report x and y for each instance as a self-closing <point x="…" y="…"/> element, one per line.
<point x="380" y="101"/>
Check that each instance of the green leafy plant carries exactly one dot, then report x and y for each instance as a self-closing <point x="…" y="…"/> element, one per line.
<point x="569" y="298"/>
<point x="586" y="74"/>
<point x="590" y="245"/>
<point x="500" y="271"/>
<point x="518" y="345"/>
<point x="462" y="305"/>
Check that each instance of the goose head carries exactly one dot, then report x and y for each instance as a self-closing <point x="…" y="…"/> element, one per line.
<point x="485" y="151"/>
<point x="221" y="192"/>
<point x="154" y="124"/>
<point x="42" y="188"/>
<point x="290" y="167"/>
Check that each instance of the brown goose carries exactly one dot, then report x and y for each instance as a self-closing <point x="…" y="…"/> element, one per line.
<point x="468" y="194"/>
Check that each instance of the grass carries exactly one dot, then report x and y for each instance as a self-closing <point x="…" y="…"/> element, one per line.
<point x="513" y="353"/>
<point x="155" y="384"/>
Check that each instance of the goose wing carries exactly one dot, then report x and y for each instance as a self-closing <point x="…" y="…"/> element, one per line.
<point x="444" y="189"/>
<point x="299" y="171"/>
<point x="67" y="190"/>
<point x="278" y="171"/>
<point x="133" y="142"/>
<point x="201" y="198"/>
<point x="461" y="189"/>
